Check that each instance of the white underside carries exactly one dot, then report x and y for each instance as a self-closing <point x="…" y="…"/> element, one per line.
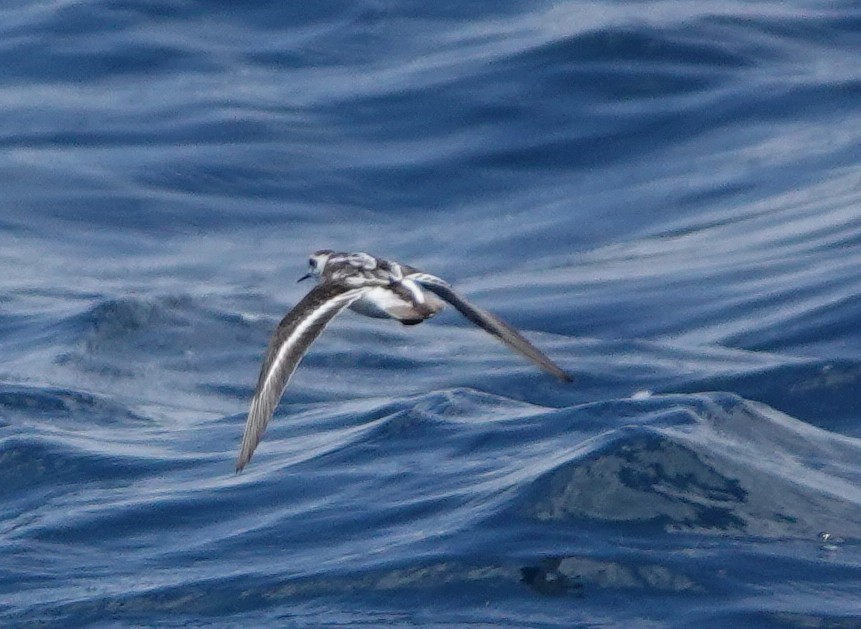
<point x="381" y="303"/>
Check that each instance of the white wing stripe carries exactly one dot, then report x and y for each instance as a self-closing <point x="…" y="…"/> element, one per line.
<point x="300" y="329"/>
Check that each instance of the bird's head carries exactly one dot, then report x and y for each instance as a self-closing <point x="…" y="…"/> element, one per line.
<point x="316" y="263"/>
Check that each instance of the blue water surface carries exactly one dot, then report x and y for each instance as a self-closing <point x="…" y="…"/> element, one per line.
<point x="664" y="196"/>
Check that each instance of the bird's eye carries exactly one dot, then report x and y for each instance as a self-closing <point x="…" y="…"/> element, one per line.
<point x="312" y="262"/>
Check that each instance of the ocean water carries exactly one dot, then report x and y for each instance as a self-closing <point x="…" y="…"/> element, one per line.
<point x="664" y="196"/>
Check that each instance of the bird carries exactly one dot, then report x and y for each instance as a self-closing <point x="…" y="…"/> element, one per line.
<point x="373" y="287"/>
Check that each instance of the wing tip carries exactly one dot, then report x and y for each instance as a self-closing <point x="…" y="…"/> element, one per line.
<point x="555" y="370"/>
<point x="255" y="426"/>
<point x="246" y="451"/>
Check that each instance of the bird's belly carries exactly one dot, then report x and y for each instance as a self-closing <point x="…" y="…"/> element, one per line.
<point x="381" y="303"/>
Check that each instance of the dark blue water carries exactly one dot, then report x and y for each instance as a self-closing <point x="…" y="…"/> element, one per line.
<point x="664" y="196"/>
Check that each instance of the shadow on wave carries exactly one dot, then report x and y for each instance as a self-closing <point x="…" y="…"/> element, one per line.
<point x="708" y="464"/>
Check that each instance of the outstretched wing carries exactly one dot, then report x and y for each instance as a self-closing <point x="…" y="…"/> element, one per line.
<point x="489" y="322"/>
<point x="291" y="339"/>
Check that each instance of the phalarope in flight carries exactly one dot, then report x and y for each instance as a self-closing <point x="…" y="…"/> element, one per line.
<point x="372" y="287"/>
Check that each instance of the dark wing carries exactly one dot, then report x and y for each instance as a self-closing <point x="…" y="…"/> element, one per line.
<point x="485" y="320"/>
<point x="292" y="338"/>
